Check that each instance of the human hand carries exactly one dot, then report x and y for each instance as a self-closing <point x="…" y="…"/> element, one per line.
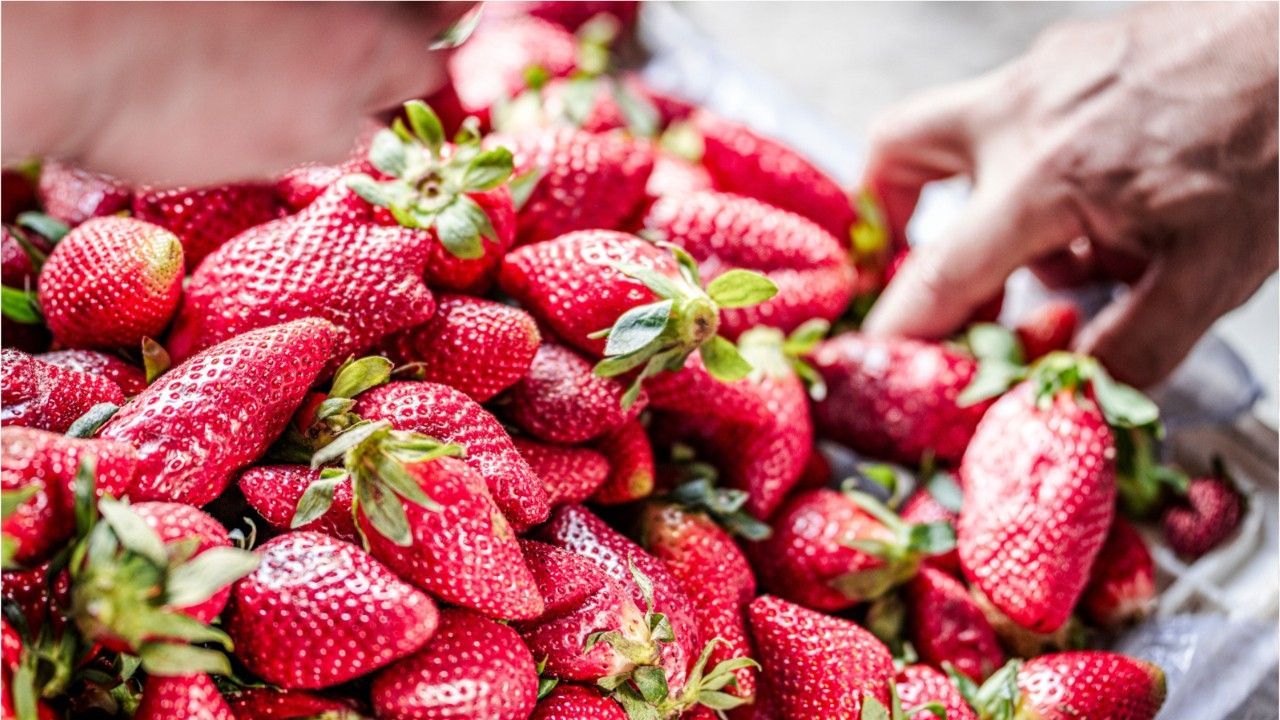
<point x="206" y="92"/>
<point x="1141" y="148"/>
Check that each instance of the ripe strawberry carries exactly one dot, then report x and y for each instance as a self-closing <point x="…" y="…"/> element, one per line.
<point x="319" y="611"/>
<point x="17" y="192"/>
<point x="584" y="180"/>
<point x="1209" y="515"/>
<point x="500" y="57"/>
<point x="468" y="650"/>
<point x="39" y="395"/>
<point x="937" y="500"/>
<point x="206" y="217"/>
<point x="40" y="600"/>
<point x="263" y="703"/>
<point x="674" y="175"/>
<point x="192" y="697"/>
<point x="1050" y="327"/>
<point x="568" y="15"/>
<point x="204" y="420"/>
<point x="894" y="398"/>
<point x="948" y="626"/>
<point x="575" y="702"/>
<point x="451" y="416"/>
<point x="22" y="252"/>
<point x="722" y="231"/>
<point x="817" y="474"/>
<point x="816" y="666"/>
<point x="1122" y="584"/>
<point x="275" y="490"/>
<point x="713" y="573"/>
<point x="477" y="346"/>
<point x="1040" y="493"/>
<point x="1083" y="684"/>
<point x="46" y="468"/>
<point x="299" y="187"/>
<point x="561" y="400"/>
<point x="131" y="379"/>
<point x="919" y="685"/>
<point x="73" y="195"/>
<point x="328" y="261"/>
<point x="570" y="474"/>
<point x="631" y="472"/>
<point x="111" y="282"/>
<point x="745" y="163"/>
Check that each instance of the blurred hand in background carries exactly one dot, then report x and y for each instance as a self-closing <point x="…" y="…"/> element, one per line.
<point x="1141" y="148"/>
<point x="198" y="93"/>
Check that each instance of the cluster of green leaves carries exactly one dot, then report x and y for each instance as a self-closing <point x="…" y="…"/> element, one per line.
<point x="773" y="353"/>
<point x="873" y="709"/>
<point x="900" y="557"/>
<point x="428" y="188"/>
<point x="996" y="699"/>
<point x="698" y="492"/>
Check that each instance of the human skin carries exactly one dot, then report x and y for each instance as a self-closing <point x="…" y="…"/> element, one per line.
<point x="192" y="93"/>
<point x="1140" y="148"/>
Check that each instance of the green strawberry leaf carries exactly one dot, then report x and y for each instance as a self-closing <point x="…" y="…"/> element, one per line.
<point x="643" y="582"/>
<point x="389" y="154"/>
<point x="545" y="686"/>
<point x="11" y="500"/>
<point x="990" y="341"/>
<point x="936" y="709"/>
<point x="488" y="170"/>
<point x="316" y="500"/>
<point x="992" y="378"/>
<point x="19" y="306"/>
<point x="457" y="33"/>
<point x="86" y="426"/>
<point x="803" y="339"/>
<point x="155" y="359"/>
<point x="1123" y="406"/>
<point x="456" y="225"/>
<point x="174" y="659"/>
<point x="944" y="489"/>
<point x="385" y="513"/>
<point x="614" y="366"/>
<point x="132" y="531"/>
<point x="357" y="376"/>
<point x="198" y="579"/>
<point x="723" y="361"/>
<point x="661" y="285"/>
<point x="426" y="125"/>
<point x="873" y="709"/>
<point x="651" y="680"/>
<point x="523" y="185"/>
<point x="741" y="288"/>
<point x="935" y="538"/>
<point x="638" y="327"/>
<point x="50" y="227"/>
<point x="641" y="117"/>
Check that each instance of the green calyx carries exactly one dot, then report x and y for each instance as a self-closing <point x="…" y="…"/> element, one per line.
<point x="899" y="556"/>
<point x="1143" y="483"/>
<point x="378" y="460"/>
<point x="726" y="506"/>
<point x="642" y="691"/>
<point x="46" y="666"/>
<point x="660" y="335"/>
<point x="996" y="699"/>
<point x="873" y="709"/>
<point x="428" y="188"/>
<point x="129" y="585"/>
<point x="869" y="235"/>
<point x="335" y="413"/>
<point x="771" y="352"/>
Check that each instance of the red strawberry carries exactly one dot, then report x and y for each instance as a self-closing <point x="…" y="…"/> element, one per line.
<point x="497" y="61"/>
<point x="17" y="192"/>
<point x="894" y="398"/>
<point x="561" y="400"/>
<point x="262" y="703"/>
<point x="1209" y="515"/>
<point x="1050" y="327"/>
<point x="21" y="255"/>
<point x="192" y="697"/>
<point x="631" y="471"/>
<point x="817" y="474"/>
<point x="204" y="420"/>
<point x="938" y="500"/>
<point x="39" y="395"/>
<point x="319" y="611"/>
<point x="206" y="217"/>
<point x="745" y="163"/>
<point x="919" y="685"/>
<point x="831" y="550"/>
<point x="584" y="180"/>
<point x="445" y="413"/>
<point x="568" y="15"/>
<point x="468" y="651"/>
<point x="1122" y="583"/>
<point x="131" y="379"/>
<point x="714" y="575"/>
<point x="46" y="466"/>
<point x="477" y="346"/>
<point x="39" y="599"/>
<point x="1040" y="493"/>
<point x="570" y="474"/>
<point x="673" y="175"/>
<point x="299" y="187"/>
<point x="275" y="490"/>
<point x="111" y="282"/>
<point x="1082" y="684"/>
<point x="73" y="195"/>
<point x="575" y="702"/>
<point x="722" y="231"/>
<point x="816" y="666"/>
<point x="948" y="626"/>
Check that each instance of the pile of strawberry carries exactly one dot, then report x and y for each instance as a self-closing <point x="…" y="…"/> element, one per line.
<point x="522" y="424"/>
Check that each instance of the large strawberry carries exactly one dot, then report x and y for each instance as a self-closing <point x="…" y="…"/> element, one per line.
<point x="193" y="697"/>
<point x="722" y="231"/>
<point x="714" y="575"/>
<point x="468" y="650"/>
<point x="816" y="666"/>
<point x="894" y="398"/>
<point x="920" y="685"/>
<point x="569" y="474"/>
<point x="22" y="253"/>
<point x="631" y="470"/>
<point x="319" y="611"/>
<point x="73" y="195"/>
<point x="743" y="162"/>
<point x="1068" y="685"/>
<point x="131" y="378"/>
<point x="502" y="56"/>
<point x="948" y="626"/>
<point x="111" y="282"/>
<point x="1040" y="492"/>
<point x="831" y="550"/>
<point x="43" y="472"/>
<point x="1122" y="582"/>
<point x="205" y="217"/>
<point x="582" y="180"/>
<point x="204" y="420"/>
<point x="40" y="395"/>
<point x="477" y="346"/>
<point x="561" y="400"/>
<point x="275" y="491"/>
<point x="575" y="702"/>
